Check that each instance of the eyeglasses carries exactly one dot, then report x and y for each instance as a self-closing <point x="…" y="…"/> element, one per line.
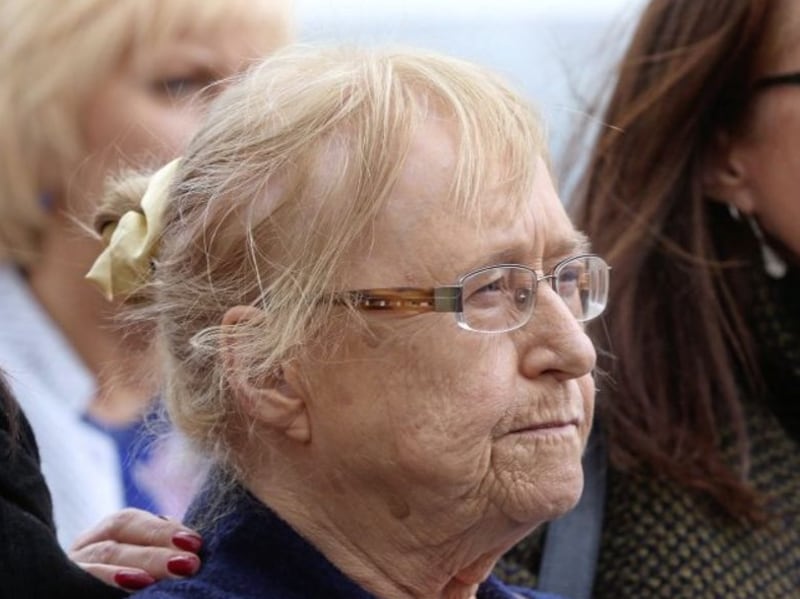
<point x="497" y="299"/>
<point x="775" y="80"/>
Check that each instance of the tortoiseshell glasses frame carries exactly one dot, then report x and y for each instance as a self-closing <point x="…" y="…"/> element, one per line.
<point x="499" y="298"/>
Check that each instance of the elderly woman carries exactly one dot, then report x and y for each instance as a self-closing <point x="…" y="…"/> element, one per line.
<point x="369" y="302"/>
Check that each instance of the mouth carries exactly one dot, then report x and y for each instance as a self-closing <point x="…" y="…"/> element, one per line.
<point x="551" y="427"/>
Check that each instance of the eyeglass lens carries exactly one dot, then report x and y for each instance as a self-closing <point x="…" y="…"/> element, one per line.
<point x="502" y="298"/>
<point x="583" y="285"/>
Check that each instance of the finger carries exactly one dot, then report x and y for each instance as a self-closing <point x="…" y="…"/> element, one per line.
<point x="128" y="579"/>
<point x="155" y="561"/>
<point x="137" y="527"/>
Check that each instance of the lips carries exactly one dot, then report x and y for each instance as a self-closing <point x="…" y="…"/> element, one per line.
<point x="545" y="426"/>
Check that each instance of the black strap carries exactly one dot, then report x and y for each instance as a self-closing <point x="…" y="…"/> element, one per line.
<point x="572" y="543"/>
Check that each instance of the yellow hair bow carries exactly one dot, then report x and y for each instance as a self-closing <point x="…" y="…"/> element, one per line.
<point x="124" y="265"/>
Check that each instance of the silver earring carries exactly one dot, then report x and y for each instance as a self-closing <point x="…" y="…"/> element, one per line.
<point x="774" y="265"/>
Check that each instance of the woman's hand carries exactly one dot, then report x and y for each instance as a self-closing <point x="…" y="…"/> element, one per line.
<point x="132" y="549"/>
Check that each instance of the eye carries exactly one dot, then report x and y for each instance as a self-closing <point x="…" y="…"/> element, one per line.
<point x="571" y="278"/>
<point x="496" y="285"/>
<point x="486" y="283"/>
<point x="571" y="274"/>
<point x="182" y="87"/>
<point x="522" y="296"/>
<point x="499" y="287"/>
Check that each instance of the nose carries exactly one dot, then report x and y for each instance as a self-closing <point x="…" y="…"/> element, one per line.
<point x="554" y="342"/>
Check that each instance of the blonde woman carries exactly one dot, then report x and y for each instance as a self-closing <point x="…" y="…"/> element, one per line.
<point x="369" y="302"/>
<point x="90" y="88"/>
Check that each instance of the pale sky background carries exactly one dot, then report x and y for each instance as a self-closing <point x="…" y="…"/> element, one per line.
<point x="558" y="53"/>
<point x="463" y="8"/>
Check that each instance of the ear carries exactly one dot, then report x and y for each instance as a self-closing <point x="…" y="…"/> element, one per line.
<point x="725" y="173"/>
<point x="276" y="401"/>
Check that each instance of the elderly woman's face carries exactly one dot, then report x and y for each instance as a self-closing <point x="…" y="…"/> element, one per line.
<point x="437" y="419"/>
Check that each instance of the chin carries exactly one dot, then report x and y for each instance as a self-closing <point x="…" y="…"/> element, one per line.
<point x="549" y="488"/>
<point x="561" y="492"/>
<point x="564" y="497"/>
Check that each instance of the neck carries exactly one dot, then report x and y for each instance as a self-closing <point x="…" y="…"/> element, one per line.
<point x="390" y="552"/>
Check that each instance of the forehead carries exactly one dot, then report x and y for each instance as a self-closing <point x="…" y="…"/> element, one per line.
<point x="241" y="28"/>
<point x="780" y="48"/>
<point x="421" y="237"/>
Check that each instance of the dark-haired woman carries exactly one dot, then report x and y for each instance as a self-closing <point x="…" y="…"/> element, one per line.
<point x="691" y="193"/>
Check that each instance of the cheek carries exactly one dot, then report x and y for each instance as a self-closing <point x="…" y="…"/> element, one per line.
<point x="129" y="125"/>
<point x="774" y="164"/>
<point x="163" y="135"/>
<point x="134" y="132"/>
<point x="778" y="209"/>
<point x="452" y="399"/>
<point x="466" y="378"/>
<point x="587" y="390"/>
<point x="419" y="412"/>
<point x="142" y="130"/>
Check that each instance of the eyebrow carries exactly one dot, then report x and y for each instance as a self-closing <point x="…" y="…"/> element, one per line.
<point x="578" y="243"/>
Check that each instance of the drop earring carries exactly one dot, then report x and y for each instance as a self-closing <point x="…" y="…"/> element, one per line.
<point x="774" y="265"/>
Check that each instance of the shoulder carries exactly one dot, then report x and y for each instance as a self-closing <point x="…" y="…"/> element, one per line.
<point x="21" y="482"/>
<point x="32" y="564"/>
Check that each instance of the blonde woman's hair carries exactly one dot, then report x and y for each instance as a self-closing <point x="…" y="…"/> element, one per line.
<point x="54" y="55"/>
<point x="279" y="189"/>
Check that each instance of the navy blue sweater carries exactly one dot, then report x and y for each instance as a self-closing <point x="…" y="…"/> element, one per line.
<point x="251" y="553"/>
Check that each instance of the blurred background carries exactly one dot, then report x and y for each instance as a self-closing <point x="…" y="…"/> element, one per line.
<point x="556" y="52"/>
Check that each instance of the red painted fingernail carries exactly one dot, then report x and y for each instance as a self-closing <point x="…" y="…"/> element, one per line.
<point x="183" y="565"/>
<point x="187" y="541"/>
<point x="133" y="581"/>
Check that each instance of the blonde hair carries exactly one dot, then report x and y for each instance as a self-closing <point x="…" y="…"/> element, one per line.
<point x="280" y="187"/>
<point x="53" y="56"/>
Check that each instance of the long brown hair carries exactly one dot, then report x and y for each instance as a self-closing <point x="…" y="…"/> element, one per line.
<point x="675" y="342"/>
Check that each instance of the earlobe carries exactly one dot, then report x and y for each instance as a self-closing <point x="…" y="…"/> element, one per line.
<point x="279" y="408"/>
<point x="286" y="405"/>
<point x="275" y="400"/>
<point x="725" y="175"/>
